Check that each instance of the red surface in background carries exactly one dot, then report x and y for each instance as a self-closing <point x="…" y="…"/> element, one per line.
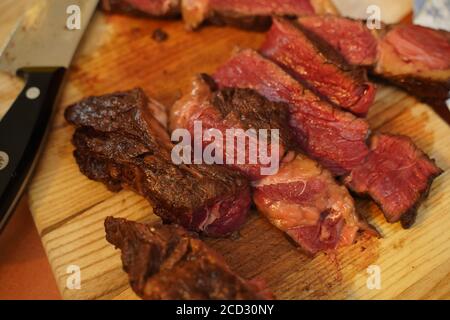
<point x="25" y="272"/>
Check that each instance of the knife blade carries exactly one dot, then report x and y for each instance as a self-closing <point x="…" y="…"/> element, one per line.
<point x="40" y="50"/>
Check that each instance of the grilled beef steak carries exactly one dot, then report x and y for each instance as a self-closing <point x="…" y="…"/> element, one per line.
<point x="248" y="14"/>
<point x="242" y="111"/>
<point x="165" y="262"/>
<point x="153" y="8"/>
<point x="335" y="138"/>
<point x="417" y="59"/>
<point x="301" y="199"/>
<point x="351" y="38"/>
<point x="318" y="66"/>
<point x="397" y="175"/>
<point x="304" y="200"/>
<point x="120" y="143"/>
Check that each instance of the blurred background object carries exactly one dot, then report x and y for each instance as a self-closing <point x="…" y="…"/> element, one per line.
<point x="391" y="11"/>
<point x="432" y="13"/>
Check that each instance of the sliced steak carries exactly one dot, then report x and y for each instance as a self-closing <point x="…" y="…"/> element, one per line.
<point x="337" y="139"/>
<point x="247" y="14"/>
<point x="317" y="65"/>
<point x="165" y="262"/>
<point x="351" y="38"/>
<point x="120" y="143"/>
<point x="397" y="175"/>
<point x="243" y="111"/>
<point x="153" y="8"/>
<point x="305" y="201"/>
<point x="417" y="59"/>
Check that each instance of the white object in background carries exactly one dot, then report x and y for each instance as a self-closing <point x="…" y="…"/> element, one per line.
<point x="432" y="13"/>
<point x="391" y="11"/>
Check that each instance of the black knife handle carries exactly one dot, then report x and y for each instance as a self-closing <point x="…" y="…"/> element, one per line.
<point x="22" y="131"/>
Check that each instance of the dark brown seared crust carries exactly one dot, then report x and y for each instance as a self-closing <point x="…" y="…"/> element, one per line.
<point x="121" y="6"/>
<point x="167" y="262"/>
<point x="119" y="143"/>
<point x="253" y="111"/>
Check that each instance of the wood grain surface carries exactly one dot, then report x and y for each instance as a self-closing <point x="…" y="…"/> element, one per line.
<point x="119" y="53"/>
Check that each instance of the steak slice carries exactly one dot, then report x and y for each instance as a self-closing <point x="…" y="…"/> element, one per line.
<point x="247" y="14"/>
<point x="317" y="65"/>
<point x="120" y="143"/>
<point x="153" y="8"/>
<point x="335" y="138"/>
<point x="417" y="59"/>
<point x="351" y="38"/>
<point x="397" y="175"/>
<point x="305" y="201"/>
<point x="165" y="262"/>
<point x="243" y="111"/>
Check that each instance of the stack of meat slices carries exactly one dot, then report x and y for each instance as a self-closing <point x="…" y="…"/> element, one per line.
<point x="302" y="198"/>
<point x="412" y="57"/>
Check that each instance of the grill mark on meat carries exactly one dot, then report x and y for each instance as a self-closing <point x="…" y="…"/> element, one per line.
<point x="120" y="143"/>
<point x="333" y="137"/>
<point x="317" y="65"/>
<point x="166" y="262"/>
<point x="397" y="175"/>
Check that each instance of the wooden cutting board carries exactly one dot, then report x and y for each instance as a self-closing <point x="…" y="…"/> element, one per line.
<point x="119" y="53"/>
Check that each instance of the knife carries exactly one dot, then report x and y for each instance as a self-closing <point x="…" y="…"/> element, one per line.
<point x="40" y="50"/>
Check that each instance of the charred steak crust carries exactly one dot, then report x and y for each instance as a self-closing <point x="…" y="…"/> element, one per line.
<point x="167" y="262"/>
<point x="119" y="142"/>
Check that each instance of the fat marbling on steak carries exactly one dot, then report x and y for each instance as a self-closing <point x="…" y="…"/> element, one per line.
<point x="397" y="176"/>
<point x="317" y="65"/>
<point x="166" y="262"/>
<point x="120" y="143"/>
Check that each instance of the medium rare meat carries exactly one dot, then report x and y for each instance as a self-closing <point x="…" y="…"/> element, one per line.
<point x="417" y="59"/>
<point x="154" y="8"/>
<point x="165" y="262"/>
<point x="397" y="175"/>
<point x="335" y="138"/>
<point x="248" y="14"/>
<point x="305" y="201"/>
<point x="351" y="38"/>
<point x="235" y="109"/>
<point x="120" y="143"/>
<point x="320" y="67"/>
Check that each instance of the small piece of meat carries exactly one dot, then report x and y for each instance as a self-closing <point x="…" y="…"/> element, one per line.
<point x="236" y="109"/>
<point x="351" y="38"/>
<point x="153" y="8"/>
<point x="120" y="143"/>
<point x="417" y="59"/>
<point x="317" y="65"/>
<point x="397" y="175"/>
<point x="335" y="138"/>
<point x="165" y="262"/>
<point x="247" y="14"/>
<point x="304" y="200"/>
